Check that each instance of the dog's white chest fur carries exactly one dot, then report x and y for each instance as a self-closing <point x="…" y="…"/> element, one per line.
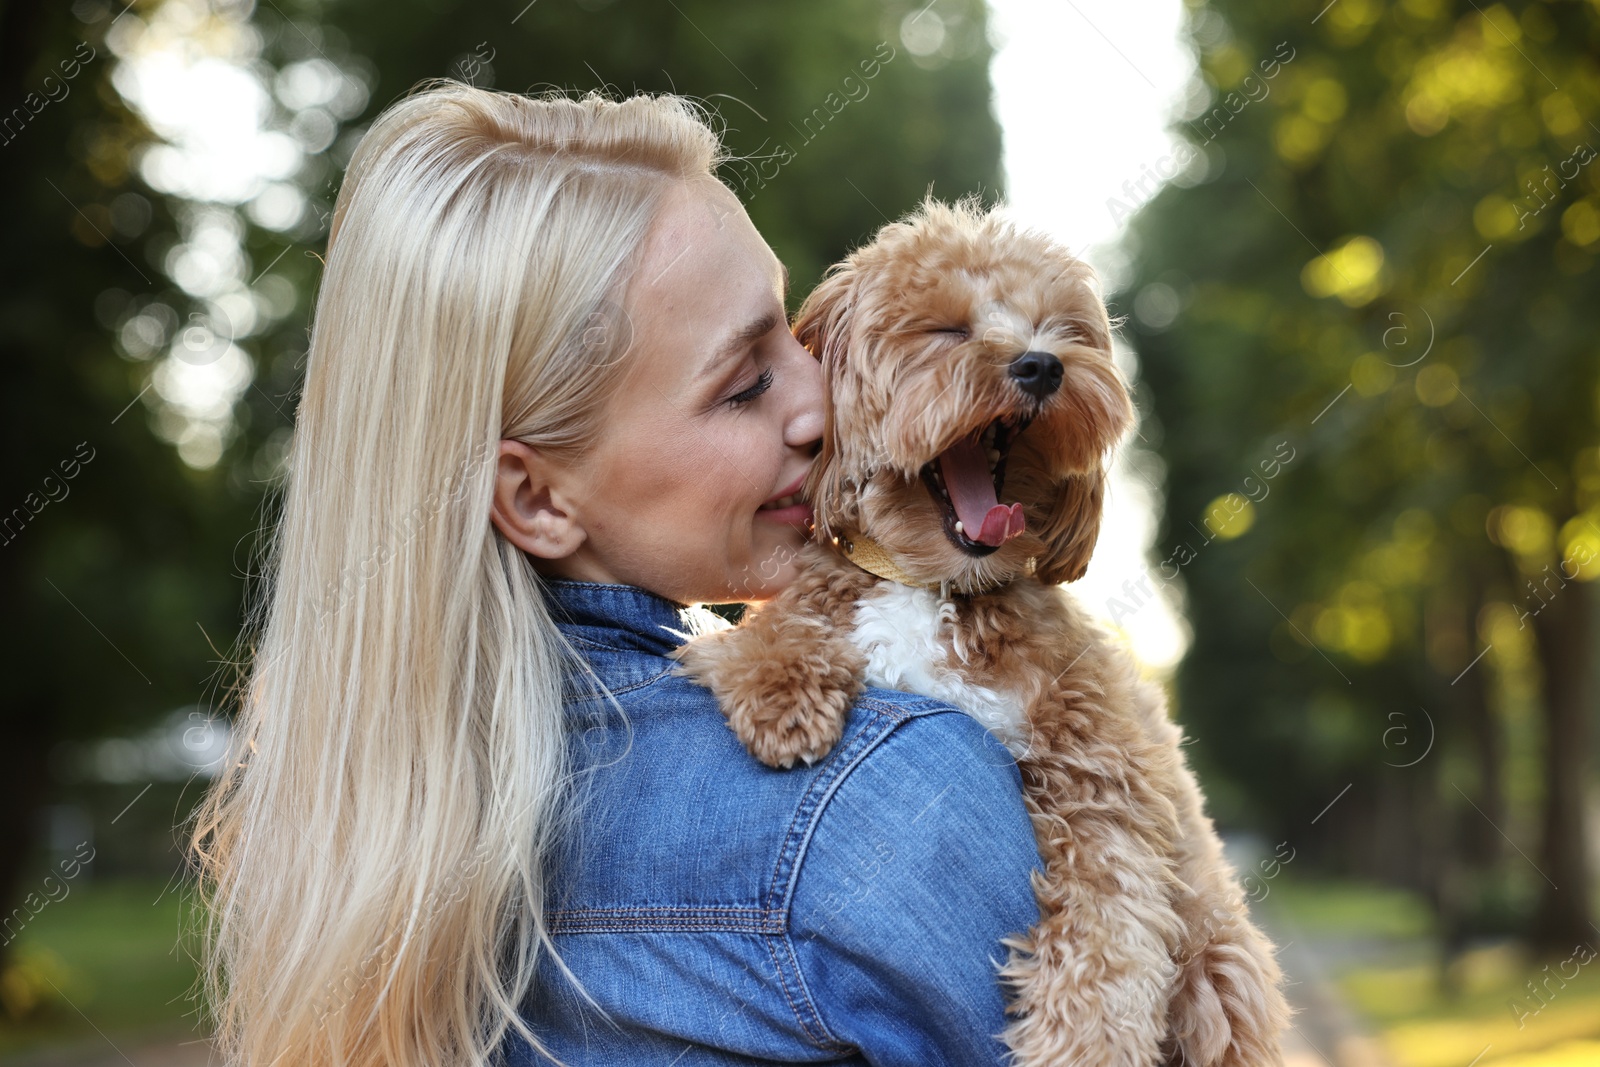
<point x="898" y="628"/>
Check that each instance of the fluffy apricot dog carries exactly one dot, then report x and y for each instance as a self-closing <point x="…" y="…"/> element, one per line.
<point x="972" y="405"/>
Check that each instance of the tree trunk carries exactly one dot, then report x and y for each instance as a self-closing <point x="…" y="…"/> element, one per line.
<point x="27" y="722"/>
<point x="1482" y="844"/>
<point x="1562" y="629"/>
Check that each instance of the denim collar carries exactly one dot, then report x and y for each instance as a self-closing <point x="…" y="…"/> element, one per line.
<point x="623" y="617"/>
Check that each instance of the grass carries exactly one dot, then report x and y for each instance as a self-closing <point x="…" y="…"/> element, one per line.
<point x="107" y="957"/>
<point x="1491" y="1008"/>
<point x="1478" y="1011"/>
<point x="1336" y="909"/>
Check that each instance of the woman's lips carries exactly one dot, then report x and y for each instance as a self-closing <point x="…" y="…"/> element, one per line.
<point x="788" y="506"/>
<point x="787" y="491"/>
<point x="788" y="509"/>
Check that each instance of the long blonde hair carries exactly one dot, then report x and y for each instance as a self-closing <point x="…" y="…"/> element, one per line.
<point x="374" y="859"/>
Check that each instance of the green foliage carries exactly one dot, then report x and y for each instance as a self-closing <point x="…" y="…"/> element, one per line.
<point x="844" y="127"/>
<point x="1359" y="265"/>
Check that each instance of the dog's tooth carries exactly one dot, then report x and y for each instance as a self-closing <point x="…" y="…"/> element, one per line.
<point x="959" y="530"/>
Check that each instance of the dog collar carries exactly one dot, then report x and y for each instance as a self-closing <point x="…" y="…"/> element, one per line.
<point x="871" y="557"/>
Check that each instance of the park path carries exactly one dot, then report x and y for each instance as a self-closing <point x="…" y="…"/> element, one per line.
<point x="1326" y="1032"/>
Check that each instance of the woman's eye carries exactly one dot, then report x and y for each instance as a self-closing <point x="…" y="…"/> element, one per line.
<point x="754" y="391"/>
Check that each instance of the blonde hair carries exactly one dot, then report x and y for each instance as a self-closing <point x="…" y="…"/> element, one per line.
<point x="374" y="858"/>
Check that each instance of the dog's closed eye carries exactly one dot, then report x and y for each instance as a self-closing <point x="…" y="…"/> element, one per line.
<point x="954" y="331"/>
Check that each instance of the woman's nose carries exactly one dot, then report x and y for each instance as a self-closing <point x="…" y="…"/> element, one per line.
<point x="805" y="424"/>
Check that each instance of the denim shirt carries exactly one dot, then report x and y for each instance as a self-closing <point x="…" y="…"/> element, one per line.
<point x="724" y="912"/>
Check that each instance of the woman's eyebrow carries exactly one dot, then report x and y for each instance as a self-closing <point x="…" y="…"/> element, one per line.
<point x="748" y="333"/>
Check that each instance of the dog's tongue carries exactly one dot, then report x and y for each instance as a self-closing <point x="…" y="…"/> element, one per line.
<point x="965" y="469"/>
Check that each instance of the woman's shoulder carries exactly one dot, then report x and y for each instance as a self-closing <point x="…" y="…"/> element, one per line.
<point x="927" y="737"/>
<point x="930" y="769"/>
<point x="898" y="735"/>
<point x="885" y="875"/>
<point x="933" y="804"/>
<point x="917" y="871"/>
<point x="905" y="763"/>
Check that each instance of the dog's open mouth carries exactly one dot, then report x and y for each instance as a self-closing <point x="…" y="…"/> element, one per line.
<point x="965" y="480"/>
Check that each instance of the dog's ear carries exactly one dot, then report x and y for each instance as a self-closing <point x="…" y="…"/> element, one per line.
<point x="823" y="326"/>
<point x="1101" y="412"/>
<point x="825" y="312"/>
<point x="1072" y="527"/>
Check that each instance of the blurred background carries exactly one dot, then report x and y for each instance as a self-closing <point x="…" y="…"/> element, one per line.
<point x="1352" y="244"/>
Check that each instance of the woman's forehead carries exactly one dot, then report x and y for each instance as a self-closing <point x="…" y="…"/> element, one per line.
<point x="705" y="270"/>
<point x="703" y="223"/>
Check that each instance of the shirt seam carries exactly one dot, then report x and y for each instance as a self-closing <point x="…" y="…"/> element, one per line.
<point x="863" y="741"/>
<point x="601" y="645"/>
<point x="798" y="839"/>
<point x="575" y="639"/>
<point x="667" y="918"/>
<point x="824" y="1038"/>
<point x="588" y="697"/>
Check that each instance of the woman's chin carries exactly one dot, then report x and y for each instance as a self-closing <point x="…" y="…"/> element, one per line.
<point x="773" y="566"/>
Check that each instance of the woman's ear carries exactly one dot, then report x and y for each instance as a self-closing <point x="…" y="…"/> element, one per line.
<point x="528" y="509"/>
<point x="823" y="326"/>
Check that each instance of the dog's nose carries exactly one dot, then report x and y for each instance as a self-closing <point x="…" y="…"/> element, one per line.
<point x="1038" y="373"/>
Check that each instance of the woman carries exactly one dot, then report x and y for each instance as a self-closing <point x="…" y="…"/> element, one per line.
<point x="550" y="401"/>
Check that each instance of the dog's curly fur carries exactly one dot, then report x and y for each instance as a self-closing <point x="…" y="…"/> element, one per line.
<point x="1144" y="952"/>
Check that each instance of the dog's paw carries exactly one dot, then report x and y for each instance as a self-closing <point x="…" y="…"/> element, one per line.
<point x="782" y="711"/>
<point x="782" y="719"/>
<point x="699" y="658"/>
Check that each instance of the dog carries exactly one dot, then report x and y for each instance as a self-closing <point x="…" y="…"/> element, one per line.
<point x="971" y="404"/>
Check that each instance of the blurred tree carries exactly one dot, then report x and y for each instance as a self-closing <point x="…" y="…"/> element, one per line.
<point x="154" y="296"/>
<point x="1382" y="254"/>
<point x="847" y="110"/>
<point x="115" y="560"/>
